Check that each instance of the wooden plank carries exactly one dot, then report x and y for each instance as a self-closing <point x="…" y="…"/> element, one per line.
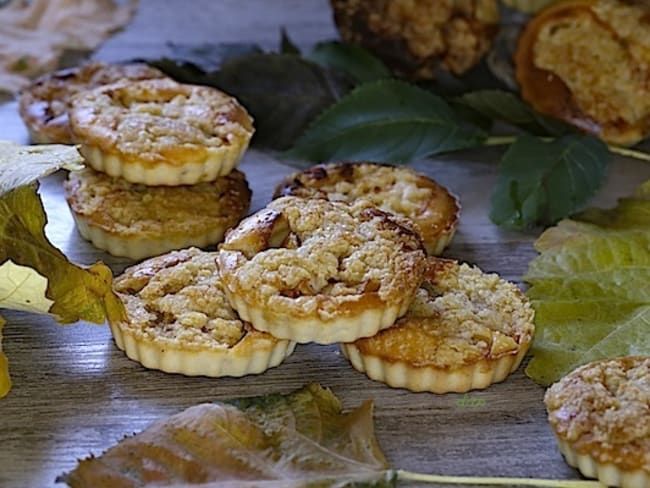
<point x="75" y="393"/>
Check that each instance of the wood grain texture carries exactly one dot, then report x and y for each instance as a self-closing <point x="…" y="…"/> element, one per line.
<point x="75" y="393"/>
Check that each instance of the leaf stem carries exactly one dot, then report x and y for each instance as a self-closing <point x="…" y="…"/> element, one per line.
<point x="623" y="151"/>
<point x="471" y="480"/>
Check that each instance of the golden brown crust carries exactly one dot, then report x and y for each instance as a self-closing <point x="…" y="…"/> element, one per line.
<point x="154" y="123"/>
<point x="402" y="191"/>
<point x="44" y="104"/>
<point x="322" y="263"/>
<point x="606" y="94"/>
<point x="175" y="304"/>
<point x="461" y="320"/>
<point x="602" y="410"/>
<point x="414" y="37"/>
<point x="132" y="210"/>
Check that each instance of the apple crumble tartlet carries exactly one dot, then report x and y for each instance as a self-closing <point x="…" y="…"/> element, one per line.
<point x="44" y="104"/>
<point x="587" y="62"/>
<point x="179" y="320"/>
<point x="321" y="271"/>
<point x="600" y="415"/>
<point x="464" y="330"/>
<point x="401" y="191"/>
<point x="159" y="132"/>
<point x="138" y="221"/>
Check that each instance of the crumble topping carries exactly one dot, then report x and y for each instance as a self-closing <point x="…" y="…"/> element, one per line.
<point x="178" y="298"/>
<point x="398" y="190"/>
<point x="602" y="410"/>
<point x="44" y="104"/>
<point x="602" y="53"/>
<point x="136" y="210"/>
<point x="459" y="316"/>
<point x="304" y="251"/>
<point x="159" y="120"/>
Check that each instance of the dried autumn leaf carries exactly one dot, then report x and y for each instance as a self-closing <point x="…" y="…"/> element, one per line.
<point x="5" y="380"/>
<point x="20" y="165"/>
<point x="78" y="293"/>
<point x="22" y="288"/>
<point x="589" y="287"/>
<point x="301" y="439"/>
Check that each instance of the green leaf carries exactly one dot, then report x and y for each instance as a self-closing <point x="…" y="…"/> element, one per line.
<point x="389" y="121"/>
<point x="541" y="182"/>
<point x="287" y="46"/>
<point x="354" y="61"/>
<point x="283" y="93"/>
<point x="589" y="288"/>
<point x="298" y="440"/>
<point x="20" y="165"/>
<point x="509" y="108"/>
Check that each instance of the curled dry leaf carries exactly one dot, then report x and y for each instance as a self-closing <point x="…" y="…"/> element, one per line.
<point x="20" y="165"/>
<point x="35" y="34"/>
<point x="34" y="275"/>
<point x="301" y="439"/>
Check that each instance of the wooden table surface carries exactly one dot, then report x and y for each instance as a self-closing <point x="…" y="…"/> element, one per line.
<point x="75" y="393"/>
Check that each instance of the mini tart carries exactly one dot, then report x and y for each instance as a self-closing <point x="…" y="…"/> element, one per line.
<point x="44" y="104"/>
<point x="600" y="415"/>
<point x="321" y="271"/>
<point x="159" y="132"/>
<point x="138" y="221"/>
<point x="179" y="320"/>
<point x="402" y="191"/>
<point x="606" y="94"/>
<point x="464" y="330"/>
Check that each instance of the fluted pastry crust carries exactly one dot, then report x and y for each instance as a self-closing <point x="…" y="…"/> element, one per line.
<point x="159" y="132"/>
<point x="179" y="320"/>
<point x="600" y="415"/>
<point x="464" y="330"/>
<point x="433" y="209"/>
<point x="314" y="270"/>
<point x="44" y="104"/>
<point x="139" y="221"/>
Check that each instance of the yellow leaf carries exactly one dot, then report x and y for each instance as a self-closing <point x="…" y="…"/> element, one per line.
<point x="5" y="380"/>
<point x="21" y="165"/>
<point x="78" y="293"/>
<point x="23" y="288"/>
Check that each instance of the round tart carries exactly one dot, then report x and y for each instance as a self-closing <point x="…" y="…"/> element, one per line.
<point x="44" y="104"/>
<point x="560" y="74"/>
<point x="464" y="330"/>
<point x="600" y="415"/>
<point x="159" y="132"/>
<point x="139" y="221"/>
<point x="314" y="270"/>
<point x="179" y="320"/>
<point x="401" y="191"/>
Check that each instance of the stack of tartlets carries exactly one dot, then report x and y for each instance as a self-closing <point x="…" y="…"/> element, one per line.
<point x="161" y="156"/>
<point x="330" y="266"/>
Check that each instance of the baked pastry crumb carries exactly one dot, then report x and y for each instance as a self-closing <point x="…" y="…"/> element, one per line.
<point x="179" y="320"/>
<point x="588" y="62"/>
<point x="402" y="191"/>
<point x="600" y="415"/>
<point x="44" y="104"/>
<point x="314" y="270"/>
<point x="138" y="221"/>
<point x="159" y="132"/>
<point x="464" y="330"/>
